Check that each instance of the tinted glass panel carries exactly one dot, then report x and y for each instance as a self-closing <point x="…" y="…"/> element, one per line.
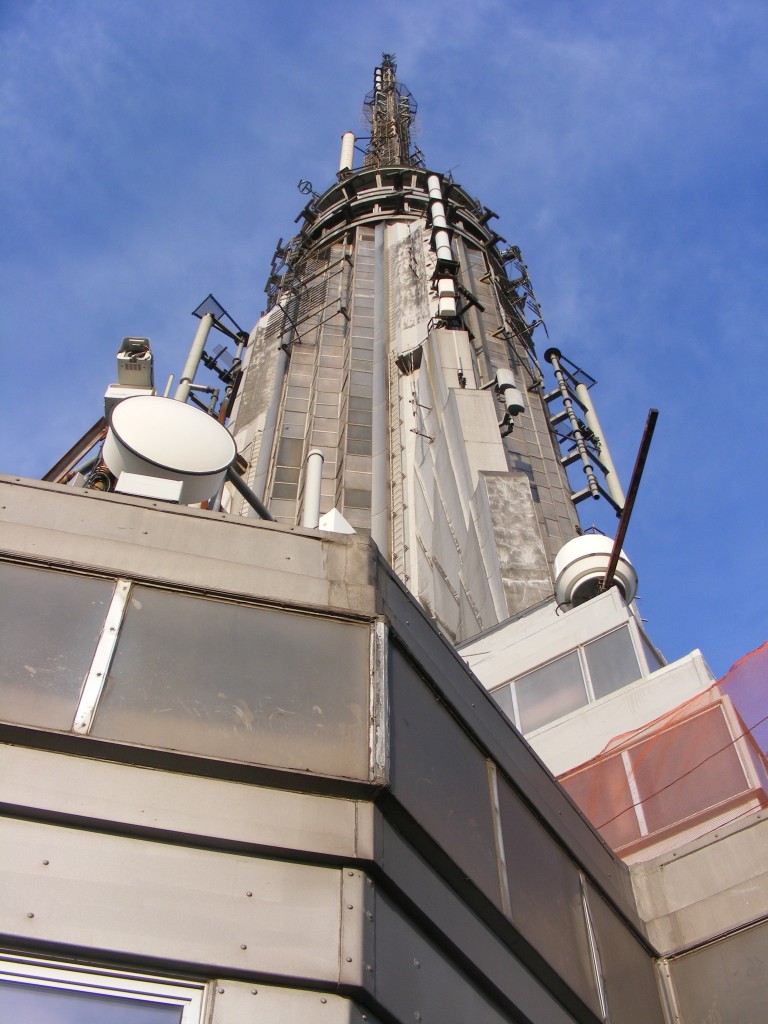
<point x="241" y="683"/>
<point x="651" y="656"/>
<point x="545" y="895"/>
<point x="550" y="692"/>
<point x="612" y="662"/>
<point x="440" y="776"/>
<point x="628" y="972"/>
<point x="49" y="627"/>
<point x="33" y="1004"/>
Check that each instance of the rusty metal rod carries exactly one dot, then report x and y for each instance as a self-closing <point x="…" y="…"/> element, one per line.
<point x="634" y="484"/>
<point x="77" y="452"/>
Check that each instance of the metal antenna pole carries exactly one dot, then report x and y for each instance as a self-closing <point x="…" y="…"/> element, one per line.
<point x="253" y="500"/>
<point x="78" y="451"/>
<point x="634" y="484"/>
<point x="194" y="357"/>
<point x="589" y="471"/>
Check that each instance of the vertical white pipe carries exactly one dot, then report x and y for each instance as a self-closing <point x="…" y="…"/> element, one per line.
<point x="347" y="151"/>
<point x="193" y="359"/>
<point x="611" y="476"/>
<point x="313" y="479"/>
<point x="442" y="239"/>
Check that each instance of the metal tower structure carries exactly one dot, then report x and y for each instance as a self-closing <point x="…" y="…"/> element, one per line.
<point x="398" y="342"/>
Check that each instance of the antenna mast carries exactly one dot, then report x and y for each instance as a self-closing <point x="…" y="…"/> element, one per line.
<point x="391" y="110"/>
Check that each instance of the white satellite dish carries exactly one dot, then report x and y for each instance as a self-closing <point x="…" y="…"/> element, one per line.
<point x="161" y="438"/>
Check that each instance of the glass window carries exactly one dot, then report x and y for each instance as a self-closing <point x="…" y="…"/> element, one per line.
<point x="50" y="623"/>
<point x="284" y="490"/>
<point x="289" y="451"/>
<point x="612" y="662"/>
<point x="239" y="682"/>
<point x="24" y="1002"/>
<point x="651" y="654"/>
<point x="440" y="776"/>
<point x="355" y="497"/>
<point x="550" y="692"/>
<point x="359" y="447"/>
<point x="545" y="894"/>
<point x="37" y="992"/>
<point x="503" y="697"/>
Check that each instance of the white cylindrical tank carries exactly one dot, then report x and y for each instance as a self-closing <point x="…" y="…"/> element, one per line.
<point x="580" y="567"/>
<point x="347" y="151"/>
<point x="162" y="438"/>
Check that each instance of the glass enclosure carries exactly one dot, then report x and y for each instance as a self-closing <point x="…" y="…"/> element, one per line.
<point x="239" y="682"/>
<point x="50" y="623"/>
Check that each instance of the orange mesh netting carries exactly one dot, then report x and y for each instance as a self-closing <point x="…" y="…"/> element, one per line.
<point x="690" y="771"/>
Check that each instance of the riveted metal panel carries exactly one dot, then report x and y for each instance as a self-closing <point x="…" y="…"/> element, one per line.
<point x="357" y="951"/>
<point x="415" y="981"/>
<point x="136" y="537"/>
<point x="243" y="1003"/>
<point x="150" y="899"/>
<point x="147" y="799"/>
<point x="463" y="929"/>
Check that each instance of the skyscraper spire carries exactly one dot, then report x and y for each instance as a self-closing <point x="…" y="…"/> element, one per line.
<point x="390" y="109"/>
<point x="398" y="342"/>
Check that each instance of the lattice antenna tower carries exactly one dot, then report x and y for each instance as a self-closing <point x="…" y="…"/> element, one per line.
<point x="390" y="109"/>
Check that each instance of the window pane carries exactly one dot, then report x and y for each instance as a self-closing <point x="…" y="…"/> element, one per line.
<point x="545" y="895"/>
<point x="238" y="682"/>
<point x="503" y="697"/>
<point x="550" y="692"/>
<point x="49" y="627"/>
<point x="33" y="1003"/>
<point x="651" y="656"/>
<point x="612" y="662"/>
<point x="440" y="776"/>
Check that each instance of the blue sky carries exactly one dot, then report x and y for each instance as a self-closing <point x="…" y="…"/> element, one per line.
<point x="151" y="154"/>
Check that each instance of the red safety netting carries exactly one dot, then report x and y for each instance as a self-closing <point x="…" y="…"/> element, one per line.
<point x="685" y="774"/>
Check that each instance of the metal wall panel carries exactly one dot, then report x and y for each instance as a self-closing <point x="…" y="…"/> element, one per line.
<point x="631" y="983"/>
<point x="415" y="981"/>
<point x="136" y="798"/>
<point x="136" y="537"/>
<point x="725" y="981"/>
<point x="238" y="1003"/>
<point x="150" y="899"/>
<point x="420" y="883"/>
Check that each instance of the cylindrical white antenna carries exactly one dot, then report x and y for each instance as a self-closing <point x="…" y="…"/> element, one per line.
<point x="509" y="391"/>
<point x="194" y="357"/>
<point x="611" y="476"/>
<point x="312" y="483"/>
<point x="442" y="240"/>
<point x="347" y="151"/>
